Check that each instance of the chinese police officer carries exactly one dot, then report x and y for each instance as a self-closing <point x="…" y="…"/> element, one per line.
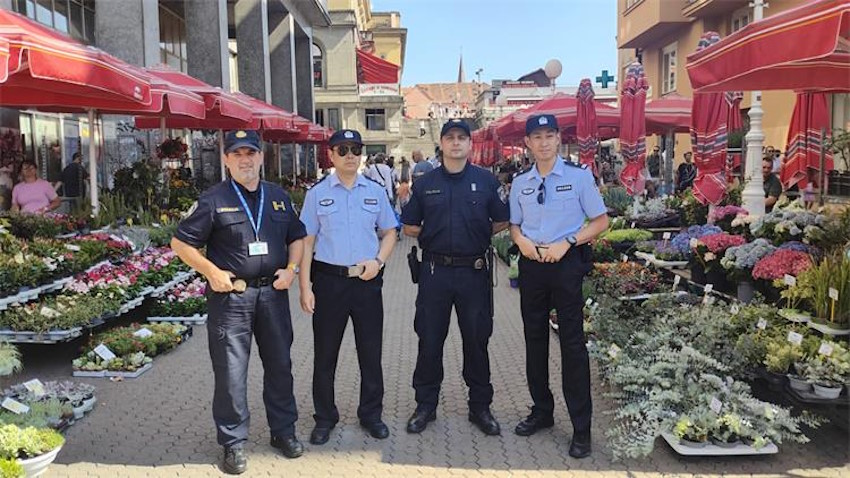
<point x="254" y="242"/>
<point x="454" y="210"/>
<point x="351" y="225"/>
<point x="549" y="205"/>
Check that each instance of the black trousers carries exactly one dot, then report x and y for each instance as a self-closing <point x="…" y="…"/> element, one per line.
<point x="337" y="299"/>
<point x="468" y="290"/>
<point x="543" y="287"/>
<point x="233" y="319"/>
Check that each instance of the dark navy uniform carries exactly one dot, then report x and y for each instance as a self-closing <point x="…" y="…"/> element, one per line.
<point x="456" y="212"/>
<point x="220" y="223"/>
<point x="550" y="210"/>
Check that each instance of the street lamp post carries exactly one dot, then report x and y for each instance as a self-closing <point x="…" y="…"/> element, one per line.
<point x="753" y="195"/>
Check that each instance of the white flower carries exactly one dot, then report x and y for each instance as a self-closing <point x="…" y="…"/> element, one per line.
<point x="709" y="256"/>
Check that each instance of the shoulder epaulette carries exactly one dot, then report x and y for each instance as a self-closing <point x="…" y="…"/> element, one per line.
<point x="370" y="179"/>
<point x="520" y="173"/>
<point x="575" y="165"/>
<point x="319" y="181"/>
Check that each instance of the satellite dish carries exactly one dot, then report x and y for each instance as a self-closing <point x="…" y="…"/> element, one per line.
<point x="552" y="69"/>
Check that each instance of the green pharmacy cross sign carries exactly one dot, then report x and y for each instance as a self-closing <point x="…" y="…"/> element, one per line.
<point x="604" y="79"/>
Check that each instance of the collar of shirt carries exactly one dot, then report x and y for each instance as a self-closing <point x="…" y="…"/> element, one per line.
<point x="557" y="169"/>
<point x="359" y="181"/>
<point x="458" y="174"/>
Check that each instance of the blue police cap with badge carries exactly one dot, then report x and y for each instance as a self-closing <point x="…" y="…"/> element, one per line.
<point x="242" y="138"/>
<point x="345" y="136"/>
<point x="536" y="122"/>
<point x="455" y="123"/>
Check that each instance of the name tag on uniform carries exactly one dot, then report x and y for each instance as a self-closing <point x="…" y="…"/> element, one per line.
<point x="564" y="187"/>
<point x="370" y="202"/>
<point x="258" y="248"/>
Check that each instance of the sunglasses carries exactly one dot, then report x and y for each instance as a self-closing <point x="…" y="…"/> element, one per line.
<point x="355" y="150"/>
<point x="541" y="194"/>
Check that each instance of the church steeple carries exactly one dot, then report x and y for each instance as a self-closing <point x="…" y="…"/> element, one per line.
<point x="461" y="77"/>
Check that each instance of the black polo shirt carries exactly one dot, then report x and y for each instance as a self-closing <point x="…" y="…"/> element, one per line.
<point x="456" y="210"/>
<point x="220" y="223"/>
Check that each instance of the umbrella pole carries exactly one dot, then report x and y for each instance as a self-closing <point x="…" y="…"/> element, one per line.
<point x="221" y="154"/>
<point x="822" y="172"/>
<point x="294" y="164"/>
<point x="279" y="161"/>
<point x="161" y="129"/>
<point x="95" y="204"/>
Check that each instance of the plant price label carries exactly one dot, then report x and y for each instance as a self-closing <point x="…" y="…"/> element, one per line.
<point x="709" y="288"/>
<point x="633" y="224"/>
<point x="35" y="386"/>
<point x="833" y="293"/>
<point x="795" y="338"/>
<point x="666" y="236"/>
<point x="613" y="351"/>
<point x="104" y="352"/>
<point x="143" y="333"/>
<point x="790" y="280"/>
<point x="588" y="302"/>
<point x="825" y="349"/>
<point x="676" y="281"/>
<point x="715" y="405"/>
<point x="14" y="406"/>
<point x="762" y="324"/>
<point x="156" y="224"/>
<point x="72" y="247"/>
<point x="735" y="309"/>
<point x="625" y="258"/>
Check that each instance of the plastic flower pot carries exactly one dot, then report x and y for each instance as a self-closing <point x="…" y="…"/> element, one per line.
<point x="732" y="443"/>
<point x="775" y="381"/>
<point x="828" y="391"/>
<point x="746" y="292"/>
<point x="693" y="444"/>
<point x="36" y="466"/>
<point x="799" y="383"/>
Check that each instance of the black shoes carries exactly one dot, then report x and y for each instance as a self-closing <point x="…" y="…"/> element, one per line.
<point x="580" y="445"/>
<point x="289" y="446"/>
<point x="485" y="422"/>
<point x="533" y="424"/>
<point x="377" y="429"/>
<point x="320" y="435"/>
<point x="235" y="460"/>
<point x="419" y="420"/>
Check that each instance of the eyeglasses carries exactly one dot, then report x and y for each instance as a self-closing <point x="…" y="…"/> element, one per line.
<point x="541" y="194"/>
<point x="343" y="150"/>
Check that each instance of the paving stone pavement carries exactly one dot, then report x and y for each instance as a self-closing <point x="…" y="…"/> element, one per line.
<point x="160" y="425"/>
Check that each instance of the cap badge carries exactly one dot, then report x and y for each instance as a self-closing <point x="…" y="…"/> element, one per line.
<point x="241" y="134"/>
<point x="455" y="121"/>
<point x="348" y="134"/>
<point x="543" y="120"/>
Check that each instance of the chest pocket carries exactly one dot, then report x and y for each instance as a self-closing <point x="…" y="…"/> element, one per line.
<point x="475" y="207"/>
<point x="280" y="223"/>
<point x="234" y="225"/>
<point x="329" y="216"/>
<point x="369" y="214"/>
<point x="565" y="202"/>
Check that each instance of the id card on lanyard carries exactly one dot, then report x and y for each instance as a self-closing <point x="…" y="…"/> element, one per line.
<point x="256" y="248"/>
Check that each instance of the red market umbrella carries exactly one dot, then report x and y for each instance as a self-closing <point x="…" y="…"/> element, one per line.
<point x="565" y="109"/>
<point x="804" y="48"/>
<point x="633" y="129"/>
<point x="669" y="113"/>
<point x="803" y="149"/>
<point x="709" y="139"/>
<point x="586" y="129"/>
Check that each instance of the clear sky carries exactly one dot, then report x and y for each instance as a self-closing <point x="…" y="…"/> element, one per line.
<point x="507" y="38"/>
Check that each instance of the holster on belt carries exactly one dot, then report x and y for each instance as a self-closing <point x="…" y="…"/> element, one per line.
<point x="414" y="264"/>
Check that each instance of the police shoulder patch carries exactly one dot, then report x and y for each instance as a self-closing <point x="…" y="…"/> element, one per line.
<point x="520" y="173"/>
<point x="575" y="165"/>
<point x="319" y="182"/>
<point x="370" y="179"/>
<point x="191" y="210"/>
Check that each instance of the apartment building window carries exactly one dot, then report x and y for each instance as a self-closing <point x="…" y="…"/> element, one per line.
<point x="74" y="17"/>
<point x="631" y="3"/>
<point x="668" y="69"/>
<point x="333" y="119"/>
<point x="376" y="119"/>
<point x="320" y="117"/>
<point x="172" y="39"/>
<point x="318" y="65"/>
<point x="740" y="19"/>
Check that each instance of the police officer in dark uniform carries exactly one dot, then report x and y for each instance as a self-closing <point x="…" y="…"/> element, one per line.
<point x="549" y="204"/>
<point x="254" y="242"/>
<point x="454" y="210"/>
<point x="351" y="223"/>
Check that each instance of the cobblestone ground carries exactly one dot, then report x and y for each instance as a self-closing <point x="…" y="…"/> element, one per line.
<point x="160" y="424"/>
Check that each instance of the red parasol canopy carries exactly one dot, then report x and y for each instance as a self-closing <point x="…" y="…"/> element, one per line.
<point x="709" y="139"/>
<point x="565" y="109"/>
<point x="586" y="129"/>
<point x="633" y="129"/>
<point x="373" y="69"/>
<point x="811" y="114"/>
<point x="805" y="48"/>
<point x="669" y="113"/>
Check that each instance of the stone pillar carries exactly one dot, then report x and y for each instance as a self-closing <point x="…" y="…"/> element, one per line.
<point x="282" y="59"/>
<point x="304" y="74"/>
<point x="129" y="30"/>
<point x="252" y="44"/>
<point x="206" y="42"/>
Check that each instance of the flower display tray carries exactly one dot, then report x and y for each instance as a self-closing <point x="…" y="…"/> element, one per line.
<point x="713" y="450"/>
<point x="89" y="373"/>
<point x="794" y="316"/>
<point x="810" y="397"/>
<point x="136" y="374"/>
<point x="197" y="319"/>
<point x="648" y="296"/>
<point x="827" y="330"/>
<point x="660" y="263"/>
<point x="49" y="337"/>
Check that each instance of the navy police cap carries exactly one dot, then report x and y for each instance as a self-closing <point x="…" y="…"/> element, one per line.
<point x="242" y="138"/>
<point x="540" y="121"/>
<point x="455" y="123"/>
<point x="345" y="136"/>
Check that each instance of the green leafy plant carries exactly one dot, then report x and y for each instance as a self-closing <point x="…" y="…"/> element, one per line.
<point x="10" y="359"/>
<point x="617" y="199"/>
<point x="626" y="235"/>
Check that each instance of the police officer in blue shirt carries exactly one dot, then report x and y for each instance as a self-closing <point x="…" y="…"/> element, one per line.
<point x="351" y="225"/>
<point x="454" y="210"/>
<point x="549" y="205"/>
<point x="253" y="241"/>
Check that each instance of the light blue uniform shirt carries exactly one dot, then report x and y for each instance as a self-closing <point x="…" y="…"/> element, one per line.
<point x="571" y="197"/>
<point x="344" y="220"/>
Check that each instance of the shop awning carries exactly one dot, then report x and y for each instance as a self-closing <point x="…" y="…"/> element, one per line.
<point x="372" y="69"/>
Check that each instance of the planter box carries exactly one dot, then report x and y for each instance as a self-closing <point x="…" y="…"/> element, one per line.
<point x="811" y="398"/>
<point x="196" y="319"/>
<point x="827" y="330"/>
<point x="135" y="374"/>
<point x="711" y="449"/>
<point x="38" y="465"/>
<point x="88" y="373"/>
<point x="660" y="263"/>
<point x="792" y="316"/>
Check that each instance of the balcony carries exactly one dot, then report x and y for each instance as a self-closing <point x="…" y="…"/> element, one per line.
<point x="643" y="22"/>
<point x="710" y="8"/>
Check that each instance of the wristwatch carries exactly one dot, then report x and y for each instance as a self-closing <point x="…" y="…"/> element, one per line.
<point x="293" y="267"/>
<point x="572" y="240"/>
<point x="380" y="262"/>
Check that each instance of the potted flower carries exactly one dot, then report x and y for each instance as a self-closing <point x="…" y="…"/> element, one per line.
<point x="777" y="361"/>
<point x="622" y="240"/>
<point x="32" y="448"/>
<point x="828" y="373"/>
<point x="692" y="431"/>
<point x="797" y="378"/>
<point x="832" y="272"/>
<point x="780" y="263"/>
<point x="740" y="260"/>
<point x="724" y="216"/>
<point x="726" y="430"/>
<point x="708" y="249"/>
<point x="684" y="243"/>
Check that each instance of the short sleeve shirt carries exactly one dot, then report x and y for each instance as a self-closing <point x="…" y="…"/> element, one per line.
<point x="33" y="197"/>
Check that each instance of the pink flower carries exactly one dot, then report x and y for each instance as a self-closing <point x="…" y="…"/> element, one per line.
<point x="780" y="262"/>
<point x="719" y="242"/>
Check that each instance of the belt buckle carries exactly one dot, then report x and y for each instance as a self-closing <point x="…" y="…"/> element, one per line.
<point x="478" y="264"/>
<point x="447" y="261"/>
<point x="239" y="285"/>
<point x="356" y="271"/>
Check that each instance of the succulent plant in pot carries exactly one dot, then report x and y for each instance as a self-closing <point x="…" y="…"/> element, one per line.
<point x="726" y="430"/>
<point x="829" y="372"/>
<point x="692" y="429"/>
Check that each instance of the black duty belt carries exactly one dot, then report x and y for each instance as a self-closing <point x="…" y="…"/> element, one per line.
<point x="476" y="262"/>
<point x="239" y="285"/>
<point x="349" y="272"/>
